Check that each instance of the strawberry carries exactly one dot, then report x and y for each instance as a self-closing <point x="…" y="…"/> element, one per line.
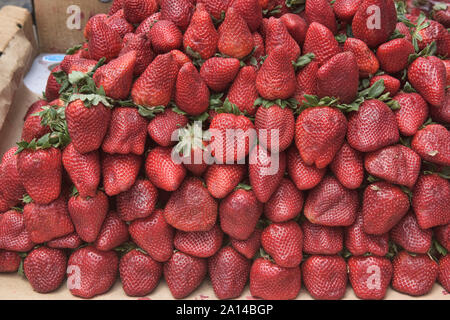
<point x="165" y="36"/>
<point x="277" y="35"/>
<point x="271" y="282"/>
<point x="113" y="233"/>
<point x="259" y="49"/>
<point x="116" y="6"/>
<point x="147" y="24"/>
<point x="296" y="26"/>
<point x="243" y="91"/>
<point x="432" y="143"/>
<point x="119" y="172"/>
<point x="442" y="15"/>
<point x="285" y="204"/>
<point x="104" y="41"/>
<point x="372" y="127"/>
<point x="428" y="76"/>
<point x="139" y="273"/>
<point x="184" y="274"/>
<point x="118" y="22"/>
<point x="35" y="107"/>
<point x="396" y="164"/>
<point x="191" y="207"/>
<point x="201" y="244"/>
<point x="88" y="215"/>
<point x="276" y="78"/>
<point x="368" y="63"/>
<point x="33" y="128"/>
<point x="91" y="272"/>
<point x="331" y="204"/>
<point x="87" y="125"/>
<point x="307" y="81"/>
<point x="320" y="11"/>
<point x="235" y="38"/>
<point x="384" y="205"/>
<point x="391" y="84"/>
<point x="70" y="241"/>
<point x="155" y="86"/>
<point x="201" y="35"/>
<point x="412" y="113"/>
<point x="219" y="72"/>
<point x="52" y="87"/>
<point x="320" y="41"/>
<point x="13" y="234"/>
<point x="84" y="170"/>
<point x="444" y="272"/>
<point x="216" y="8"/>
<point x="9" y="261"/>
<point x="250" y="10"/>
<point x="11" y="187"/>
<point x="239" y="213"/>
<point x="393" y="55"/>
<point x="318" y="239"/>
<point x="127" y="132"/>
<point x="229" y="272"/>
<point x="374" y="26"/>
<point x="266" y="170"/>
<point x="404" y="30"/>
<point x="346" y="9"/>
<point x="73" y="63"/>
<point x="163" y="171"/>
<point x="45" y="269"/>
<point x="138" y="202"/>
<point x="154" y="235"/>
<point x="249" y="247"/>
<point x="442" y="113"/>
<point x="370" y="276"/>
<point x="347" y="167"/>
<point x="177" y="11"/>
<point x="164" y="124"/>
<point x="442" y="234"/>
<point x="221" y="179"/>
<point x="409" y="236"/>
<point x="137" y="11"/>
<point x="430" y="198"/>
<point x="305" y="177"/>
<point x="325" y="277"/>
<point x="414" y="275"/>
<point x="141" y="45"/>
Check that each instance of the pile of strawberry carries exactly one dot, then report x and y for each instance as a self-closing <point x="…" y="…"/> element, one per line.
<point x="361" y="193"/>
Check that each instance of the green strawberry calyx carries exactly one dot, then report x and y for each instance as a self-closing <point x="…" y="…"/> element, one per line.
<point x="303" y="61"/>
<point x="287" y="103"/>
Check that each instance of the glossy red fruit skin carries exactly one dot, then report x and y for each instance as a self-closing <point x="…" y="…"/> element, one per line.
<point x="9" y="261"/>
<point x="307" y="81"/>
<point x="229" y="272"/>
<point x="201" y="244"/>
<point x="410" y="236"/>
<point x="219" y="72"/>
<point x="33" y="129"/>
<point x="372" y="127"/>
<point x="320" y="41"/>
<point x="243" y="91"/>
<point x="239" y="213"/>
<point x="414" y="276"/>
<point x="348" y="167"/>
<point x="184" y="273"/>
<point x="138" y="202"/>
<point x="368" y="63"/>
<point x="383" y="206"/>
<point x="304" y="177"/>
<point x="393" y="55"/>
<point x="319" y="239"/>
<point x="165" y="36"/>
<point x="139" y="273"/>
<point x="370" y="276"/>
<point x="346" y="9"/>
<point x="118" y="22"/>
<point x="412" y="113"/>
<point x="296" y="26"/>
<point x="442" y="234"/>
<point x="249" y="247"/>
<point x="215" y="7"/>
<point x="164" y="124"/>
<point x="13" y="233"/>
<point x="98" y="270"/>
<point x="285" y="203"/>
<point x="154" y="235"/>
<point x="430" y="199"/>
<point x="179" y="12"/>
<point x="358" y="242"/>
<point x="70" y="241"/>
<point x="432" y="143"/>
<point x="325" y="277"/>
<point x="52" y="88"/>
<point x="277" y="35"/>
<point x="141" y="44"/>
<point x="444" y="272"/>
<point x="114" y="232"/>
<point x="331" y="204"/>
<point x="147" y="24"/>
<point x="442" y="113"/>
<point x="119" y="172"/>
<point x="321" y="11"/>
<point x="137" y="11"/>
<point x="269" y="281"/>
<point x="11" y="187"/>
<point x="104" y="41"/>
<point x="250" y="10"/>
<point x="395" y="164"/>
<point x="221" y="179"/>
<point x="391" y="84"/>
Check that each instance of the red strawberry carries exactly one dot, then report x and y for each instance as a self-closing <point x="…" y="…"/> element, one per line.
<point x="13" y="234"/>
<point x="285" y="203"/>
<point x="320" y="11"/>
<point x="165" y="36"/>
<point x="404" y="30"/>
<point x="138" y="202"/>
<point x="118" y="22"/>
<point x="442" y="234"/>
<point x="249" y="247"/>
<point x="154" y="235"/>
<point x="374" y="21"/>
<point x="74" y="63"/>
<point x="307" y="81"/>
<point x="276" y="78"/>
<point x="368" y="63"/>
<point x="271" y="282"/>
<point x="137" y="11"/>
<point x="216" y="8"/>
<point x="87" y="125"/>
<point x="384" y="205"/>
<point x="250" y="10"/>
<point x="11" y="187"/>
<point x="296" y="26"/>
<point x="33" y="128"/>
<point x="432" y="143"/>
<point x="414" y="275"/>
<point x="320" y="41"/>
<point x="116" y="6"/>
<point x="243" y="91"/>
<point x="35" y="107"/>
<point x="331" y="204"/>
<point x="9" y="261"/>
<point x="239" y="214"/>
<point x="139" y="273"/>
<point x="266" y="170"/>
<point x="428" y="76"/>
<point x="45" y="269"/>
<point x="412" y="113"/>
<point x="104" y="41"/>
<point x="221" y="179"/>
<point x="442" y="113"/>
<point x="319" y="239"/>
<point x="358" y="242"/>
<point x="91" y="272"/>
<point x="141" y="45"/>
<point x="305" y="177"/>
<point x="201" y="244"/>
<point x="177" y="11"/>
<point x="113" y="233"/>
<point x="219" y="72"/>
<point x="325" y="277"/>
<point x="184" y="274"/>
<point x="430" y="201"/>
<point x="347" y="167"/>
<point x="391" y="84"/>
<point x="444" y="272"/>
<point x="191" y="207"/>
<point x="393" y="55"/>
<point x="164" y="125"/>
<point x="88" y="215"/>
<point x="119" y="172"/>
<point x="277" y="35"/>
<point x="235" y="38"/>
<point x="370" y="276"/>
<point x="52" y="87"/>
<point x="229" y="272"/>
<point x="259" y="49"/>
<point x="148" y="23"/>
<point x="70" y="241"/>
<point x="346" y="9"/>
<point x="372" y="127"/>
<point x="155" y="86"/>
<point x="409" y="236"/>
